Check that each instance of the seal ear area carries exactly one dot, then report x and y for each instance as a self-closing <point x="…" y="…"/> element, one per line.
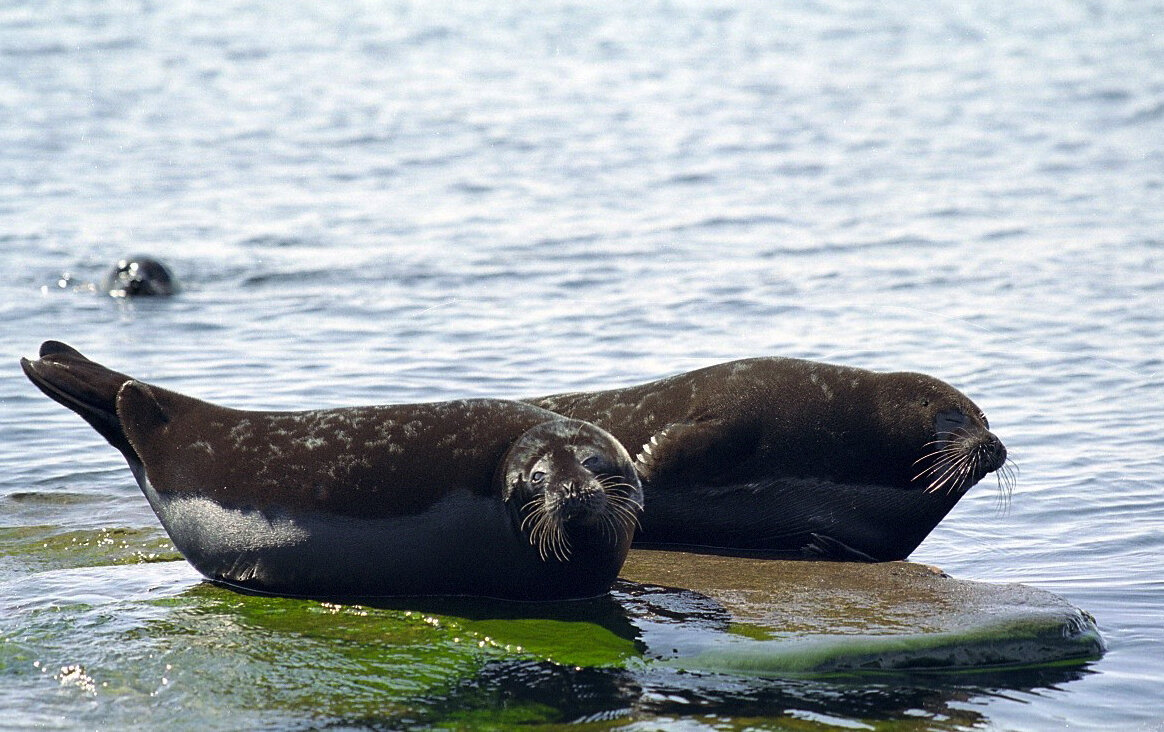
<point x="697" y="452"/>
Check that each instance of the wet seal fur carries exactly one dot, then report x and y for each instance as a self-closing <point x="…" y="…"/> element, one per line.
<point x="139" y="276"/>
<point x="475" y="497"/>
<point x="795" y="458"/>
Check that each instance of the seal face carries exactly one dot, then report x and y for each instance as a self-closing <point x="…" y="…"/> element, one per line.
<point x="572" y="486"/>
<point x="795" y="458"/>
<point x="474" y="497"/>
<point x="139" y="276"/>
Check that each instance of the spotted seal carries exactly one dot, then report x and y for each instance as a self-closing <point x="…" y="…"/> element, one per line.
<point x="795" y="458"/>
<point x="478" y="497"/>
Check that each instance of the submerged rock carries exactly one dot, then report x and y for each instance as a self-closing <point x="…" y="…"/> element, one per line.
<point x="780" y="617"/>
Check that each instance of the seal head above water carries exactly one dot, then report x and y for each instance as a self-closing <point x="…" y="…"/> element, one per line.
<point x="473" y="497"/>
<point x="139" y="276"/>
<point x="795" y="458"/>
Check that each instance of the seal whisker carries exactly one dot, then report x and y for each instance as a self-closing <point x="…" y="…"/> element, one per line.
<point x="950" y="449"/>
<point x="533" y="510"/>
<point x="543" y="534"/>
<point x="940" y="457"/>
<point x="613" y="525"/>
<point x="604" y="526"/>
<point x="621" y="490"/>
<point x="561" y="544"/>
<point x="1006" y="482"/>
<point x="941" y="440"/>
<point x="948" y="477"/>
<point x="632" y="509"/>
<point x="531" y="521"/>
<point x="957" y="478"/>
<point x="940" y="466"/>
<point x="970" y="469"/>
<point x="628" y="514"/>
<point x="549" y="538"/>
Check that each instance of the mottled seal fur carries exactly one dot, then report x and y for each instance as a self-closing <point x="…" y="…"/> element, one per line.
<point x="795" y="458"/>
<point x="475" y="497"/>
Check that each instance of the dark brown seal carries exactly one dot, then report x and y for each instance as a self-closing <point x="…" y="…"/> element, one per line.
<point x="139" y="276"/>
<point x="795" y="458"/>
<point x="474" y="497"/>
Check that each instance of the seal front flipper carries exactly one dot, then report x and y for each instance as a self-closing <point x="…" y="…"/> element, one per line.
<point x="698" y="452"/>
<point x="826" y="547"/>
<point x="88" y="388"/>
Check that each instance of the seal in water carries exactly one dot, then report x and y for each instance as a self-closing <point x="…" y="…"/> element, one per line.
<point x="139" y="276"/>
<point x="476" y="497"/>
<point x="795" y="458"/>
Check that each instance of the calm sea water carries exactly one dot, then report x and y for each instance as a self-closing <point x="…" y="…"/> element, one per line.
<point x="380" y="201"/>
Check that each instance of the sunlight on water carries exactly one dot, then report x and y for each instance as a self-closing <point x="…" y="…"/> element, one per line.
<point x="393" y="202"/>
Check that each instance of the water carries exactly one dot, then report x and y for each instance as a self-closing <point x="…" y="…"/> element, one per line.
<point x="373" y="202"/>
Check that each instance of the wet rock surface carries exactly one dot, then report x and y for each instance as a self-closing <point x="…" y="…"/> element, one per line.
<point x="771" y="616"/>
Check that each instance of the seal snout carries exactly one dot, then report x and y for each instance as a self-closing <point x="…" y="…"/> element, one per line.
<point x="994" y="451"/>
<point x="578" y="502"/>
<point x="959" y="459"/>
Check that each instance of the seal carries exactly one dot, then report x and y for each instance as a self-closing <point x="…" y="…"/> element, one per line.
<point x="139" y="276"/>
<point x="795" y="458"/>
<point x="478" y="497"/>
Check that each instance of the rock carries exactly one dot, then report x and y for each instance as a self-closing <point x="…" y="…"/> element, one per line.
<point x="765" y="616"/>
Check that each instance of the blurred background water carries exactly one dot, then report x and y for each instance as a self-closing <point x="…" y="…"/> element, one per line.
<point x="371" y="202"/>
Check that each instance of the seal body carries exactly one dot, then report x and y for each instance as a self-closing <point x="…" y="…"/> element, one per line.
<point x="473" y="497"/>
<point x="794" y="458"/>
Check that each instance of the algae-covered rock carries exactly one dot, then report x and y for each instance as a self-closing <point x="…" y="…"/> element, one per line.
<point x="764" y="616"/>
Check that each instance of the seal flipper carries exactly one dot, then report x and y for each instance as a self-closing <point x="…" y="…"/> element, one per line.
<point x="139" y="411"/>
<point x="826" y="547"/>
<point x="158" y="424"/>
<point x="699" y="452"/>
<point x="86" y="387"/>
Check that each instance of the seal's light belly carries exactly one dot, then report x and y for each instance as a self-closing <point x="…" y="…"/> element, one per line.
<point x="268" y="551"/>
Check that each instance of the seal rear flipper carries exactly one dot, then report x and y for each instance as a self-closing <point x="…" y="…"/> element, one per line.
<point x="144" y="412"/>
<point x="86" y="387"/>
<point x="696" y="453"/>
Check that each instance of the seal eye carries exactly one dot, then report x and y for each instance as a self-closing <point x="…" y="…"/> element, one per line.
<point x="925" y="402"/>
<point x="949" y="422"/>
<point x="537" y="476"/>
<point x="593" y="463"/>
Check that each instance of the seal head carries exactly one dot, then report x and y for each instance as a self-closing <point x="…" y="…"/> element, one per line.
<point x="957" y="448"/>
<point x="573" y="484"/>
<point x="139" y="276"/>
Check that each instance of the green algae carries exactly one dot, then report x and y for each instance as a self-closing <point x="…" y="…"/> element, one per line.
<point x="101" y="643"/>
<point x="43" y="548"/>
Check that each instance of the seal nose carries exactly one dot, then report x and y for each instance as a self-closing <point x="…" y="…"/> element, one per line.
<point x="579" y="504"/>
<point x="996" y="452"/>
